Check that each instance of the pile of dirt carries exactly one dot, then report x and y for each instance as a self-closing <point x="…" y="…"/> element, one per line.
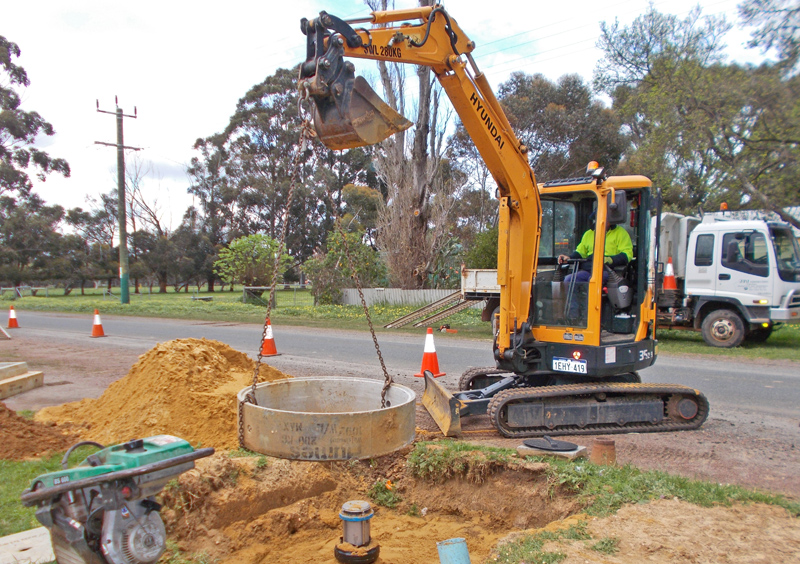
<point x="22" y="438"/>
<point x="185" y="387"/>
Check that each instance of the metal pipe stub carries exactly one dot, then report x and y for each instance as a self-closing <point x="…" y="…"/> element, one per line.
<point x="327" y="418"/>
<point x="356" y="545"/>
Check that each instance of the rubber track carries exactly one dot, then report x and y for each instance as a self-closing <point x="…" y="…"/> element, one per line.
<point x="576" y="390"/>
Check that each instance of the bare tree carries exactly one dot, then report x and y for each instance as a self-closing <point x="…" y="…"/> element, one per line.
<point x="412" y="225"/>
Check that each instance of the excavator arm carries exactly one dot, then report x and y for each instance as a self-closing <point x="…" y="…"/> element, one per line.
<point x="348" y="113"/>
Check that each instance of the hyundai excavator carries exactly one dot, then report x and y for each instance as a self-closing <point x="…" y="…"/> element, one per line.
<point x="566" y="353"/>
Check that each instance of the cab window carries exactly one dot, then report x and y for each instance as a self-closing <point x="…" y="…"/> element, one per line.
<point x="746" y="252"/>
<point x="704" y="251"/>
<point x="558" y="229"/>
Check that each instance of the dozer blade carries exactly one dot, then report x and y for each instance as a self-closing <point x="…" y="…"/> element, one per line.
<point x="355" y="118"/>
<point x="443" y="407"/>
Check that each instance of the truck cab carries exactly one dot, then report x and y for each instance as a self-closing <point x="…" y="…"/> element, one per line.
<point x="736" y="279"/>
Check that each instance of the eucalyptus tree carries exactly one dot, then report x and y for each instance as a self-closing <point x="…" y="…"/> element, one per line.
<point x="19" y="130"/>
<point x="704" y="130"/>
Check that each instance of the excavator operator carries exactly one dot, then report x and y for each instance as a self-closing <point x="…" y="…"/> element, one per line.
<point x="618" y="252"/>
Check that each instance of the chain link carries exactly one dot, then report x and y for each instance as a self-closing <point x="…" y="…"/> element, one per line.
<point x="387" y="378"/>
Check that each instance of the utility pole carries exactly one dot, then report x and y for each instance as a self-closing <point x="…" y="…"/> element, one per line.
<point x="122" y="203"/>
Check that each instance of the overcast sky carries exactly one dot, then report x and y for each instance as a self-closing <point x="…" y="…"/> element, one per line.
<point x="184" y="66"/>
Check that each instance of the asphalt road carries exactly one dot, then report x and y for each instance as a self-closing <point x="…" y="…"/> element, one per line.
<point x="770" y="388"/>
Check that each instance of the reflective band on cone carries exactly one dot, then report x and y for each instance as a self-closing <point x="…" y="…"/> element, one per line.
<point x="669" y="277"/>
<point x="12" y="319"/>
<point x="268" y="346"/>
<point x="429" y="359"/>
<point x="97" y="326"/>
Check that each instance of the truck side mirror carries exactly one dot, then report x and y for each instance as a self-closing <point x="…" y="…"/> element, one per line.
<point x="618" y="211"/>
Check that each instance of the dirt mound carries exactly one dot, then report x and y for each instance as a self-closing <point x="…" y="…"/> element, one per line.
<point x="669" y="530"/>
<point x="261" y="509"/>
<point x="185" y="387"/>
<point x="22" y="438"/>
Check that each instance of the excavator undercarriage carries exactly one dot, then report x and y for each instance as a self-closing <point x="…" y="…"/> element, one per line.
<point x="518" y="410"/>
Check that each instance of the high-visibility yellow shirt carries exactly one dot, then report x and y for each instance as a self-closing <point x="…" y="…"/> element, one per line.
<point x="617" y="241"/>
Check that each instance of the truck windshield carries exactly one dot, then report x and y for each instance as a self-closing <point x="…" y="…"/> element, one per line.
<point x="788" y="252"/>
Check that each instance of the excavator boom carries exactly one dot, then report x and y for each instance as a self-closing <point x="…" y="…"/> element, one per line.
<point x="349" y="114"/>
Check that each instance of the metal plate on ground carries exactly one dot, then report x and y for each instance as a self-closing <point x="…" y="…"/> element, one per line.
<point x="546" y="443"/>
<point x="333" y="418"/>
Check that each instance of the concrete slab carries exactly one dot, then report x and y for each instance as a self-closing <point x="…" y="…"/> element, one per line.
<point x="22" y="383"/>
<point x="27" y="547"/>
<point x="9" y="369"/>
<point x="579" y="452"/>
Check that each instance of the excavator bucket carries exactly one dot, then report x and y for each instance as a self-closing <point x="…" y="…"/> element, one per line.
<point x="443" y="407"/>
<point x="356" y="118"/>
<point x="347" y="112"/>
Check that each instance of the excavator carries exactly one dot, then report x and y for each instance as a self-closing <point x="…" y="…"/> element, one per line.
<point x="566" y="353"/>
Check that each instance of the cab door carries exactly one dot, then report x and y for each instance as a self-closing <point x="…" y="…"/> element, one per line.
<point x="701" y="265"/>
<point x="743" y="273"/>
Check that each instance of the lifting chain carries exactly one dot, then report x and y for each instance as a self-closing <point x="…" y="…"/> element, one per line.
<point x="387" y="378"/>
<point x="307" y="133"/>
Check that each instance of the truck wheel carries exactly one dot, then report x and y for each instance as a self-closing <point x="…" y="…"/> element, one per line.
<point x="723" y="328"/>
<point x="759" y="335"/>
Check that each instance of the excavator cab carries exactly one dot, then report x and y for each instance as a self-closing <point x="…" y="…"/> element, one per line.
<point x="562" y="296"/>
<point x="347" y="111"/>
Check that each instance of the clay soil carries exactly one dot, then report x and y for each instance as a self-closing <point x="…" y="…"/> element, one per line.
<point x="266" y="510"/>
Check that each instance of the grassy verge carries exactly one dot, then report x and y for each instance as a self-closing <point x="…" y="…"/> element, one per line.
<point x="16" y="476"/>
<point x="602" y="489"/>
<point x="295" y="308"/>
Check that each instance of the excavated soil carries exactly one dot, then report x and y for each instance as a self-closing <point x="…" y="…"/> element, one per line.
<point x="22" y="438"/>
<point x="243" y="510"/>
<point x="268" y="510"/>
<point x="260" y="509"/>
<point x="185" y="387"/>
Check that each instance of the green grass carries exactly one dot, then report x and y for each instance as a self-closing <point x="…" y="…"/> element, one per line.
<point x="606" y="545"/>
<point x="292" y="308"/>
<point x="442" y="460"/>
<point x="784" y="343"/>
<point x="382" y="492"/>
<point x="530" y="547"/>
<point x="16" y="477"/>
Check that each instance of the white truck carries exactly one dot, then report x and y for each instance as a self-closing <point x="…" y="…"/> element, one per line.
<point x="734" y="279"/>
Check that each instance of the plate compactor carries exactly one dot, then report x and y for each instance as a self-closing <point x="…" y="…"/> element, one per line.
<point x="103" y="511"/>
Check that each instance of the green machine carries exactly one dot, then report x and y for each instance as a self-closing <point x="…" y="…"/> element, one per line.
<point x="104" y="511"/>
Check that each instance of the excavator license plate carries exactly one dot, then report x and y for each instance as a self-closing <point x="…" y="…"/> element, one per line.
<point x="569" y="365"/>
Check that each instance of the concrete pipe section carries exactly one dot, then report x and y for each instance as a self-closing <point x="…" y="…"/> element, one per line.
<point x="332" y="418"/>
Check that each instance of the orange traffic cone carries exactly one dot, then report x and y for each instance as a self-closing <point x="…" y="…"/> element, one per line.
<point x="429" y="359"/>
<point x="97" y="326"/>
<point x="669" y="277"/>
<point x="12" y="319"/>
<point x="268" y="346"/>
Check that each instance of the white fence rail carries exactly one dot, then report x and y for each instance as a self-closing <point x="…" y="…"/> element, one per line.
<point x="393" y="296"/>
